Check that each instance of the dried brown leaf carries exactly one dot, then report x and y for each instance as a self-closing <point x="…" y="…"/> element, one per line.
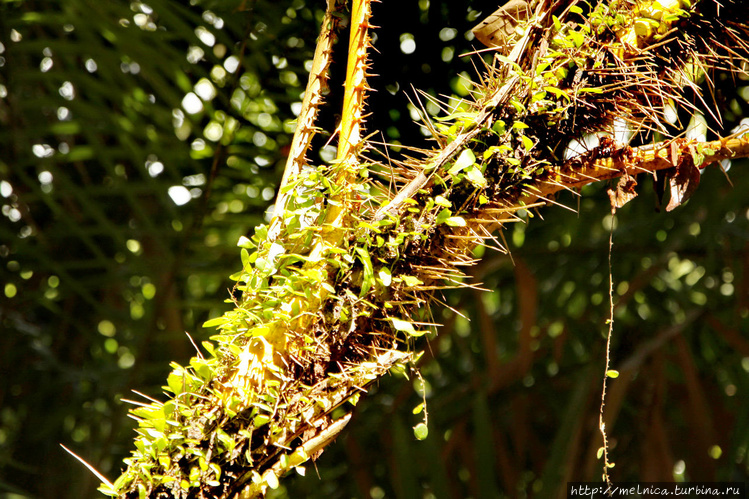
<point x="624" y="192"/>
<point x="683" y="181"/>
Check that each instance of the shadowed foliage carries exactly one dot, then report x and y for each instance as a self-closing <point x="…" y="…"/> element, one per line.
<point x="122" y="208"/>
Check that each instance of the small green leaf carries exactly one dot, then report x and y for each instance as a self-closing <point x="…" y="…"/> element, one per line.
<point x="216" y="321"/>
<point x="557" y="23"/>
<point x="442" y="216"/>
<point x="557" y="92"/>
<point x="107" y="491"/>
<point x="611" y="373"/>
<point x="401" y="325"/>
<point x="245" y="258"/>
<point x="577" y="38"/>
<point x="543" y="66"/>
<point x="418" y="408"/>
<point x="644" y="27"/>
<point x="411" y="281"/>
<point x="210" y="347"/>
<point x="466" y="159"/>
<point x="261" y="232"/>
<point x="506" y="60"/>
<point x="442" y="201"/>
<point x="368" y="226"/>
<point x="176" y="382"/>
<point x="456" y="222"/>
<point x="385" y="276"/>
<point x="271" y="479"/>
<point x="368" y="279"/>
<point x="260" y="420"/>
<point x="476" y="178"/>
<point x="538" y="96"/>
<point x="201" y="368"/>
<point x="421" y="431"/>
<point x="519" y="107"/>
<point x="599" y="454"/>
<point x="406" y="327"/>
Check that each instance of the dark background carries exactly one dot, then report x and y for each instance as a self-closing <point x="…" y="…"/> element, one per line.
<point x="102" y="273"/>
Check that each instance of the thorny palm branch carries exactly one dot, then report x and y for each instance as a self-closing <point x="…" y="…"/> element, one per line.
<point x="336" y="291"/>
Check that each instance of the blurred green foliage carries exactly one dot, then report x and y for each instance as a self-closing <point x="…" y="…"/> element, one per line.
<point x="139" y="141"/>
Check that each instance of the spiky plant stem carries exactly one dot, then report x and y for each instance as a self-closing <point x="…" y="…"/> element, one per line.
<point x="317" y="84"/>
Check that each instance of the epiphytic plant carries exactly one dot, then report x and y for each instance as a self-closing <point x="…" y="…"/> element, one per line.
<point x="336" y="290"/>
